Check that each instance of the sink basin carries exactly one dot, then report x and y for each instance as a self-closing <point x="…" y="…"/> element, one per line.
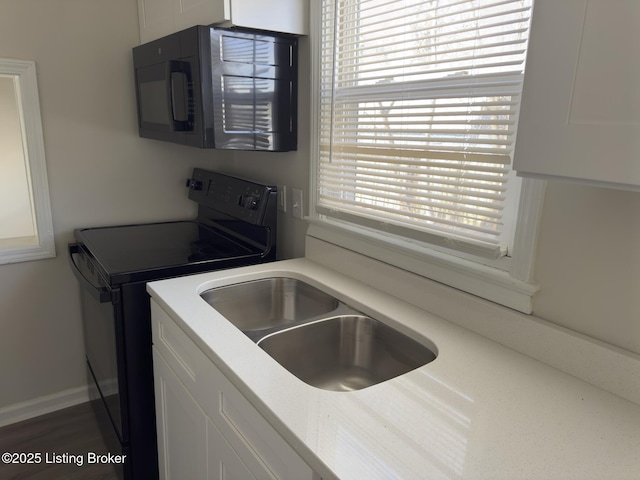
<point x="269" y="302"/>
<point x="320" y="340"/>
<point x="347" y="352"/>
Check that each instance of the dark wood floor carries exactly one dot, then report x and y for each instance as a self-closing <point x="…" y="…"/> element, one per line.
<point x="72" y="431"/>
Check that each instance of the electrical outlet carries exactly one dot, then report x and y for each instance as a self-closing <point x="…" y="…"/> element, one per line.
<point x="296" y="201"/>
<point x="282" y="198"/>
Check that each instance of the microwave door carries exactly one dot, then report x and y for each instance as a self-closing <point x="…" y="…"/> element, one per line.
<point x="165" y="101"/>
<point x="151" y="91"/>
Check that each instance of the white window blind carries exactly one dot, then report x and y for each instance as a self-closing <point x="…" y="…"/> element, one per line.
<point x="418" y="112"/>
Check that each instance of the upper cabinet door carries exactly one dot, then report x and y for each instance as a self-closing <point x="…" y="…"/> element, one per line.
<point x="155" y="18"/>
<point x="200" y="12"/>
<point x="580" y="116"/>
<point x="288" y="16"/>
<point x="158" y="18"/>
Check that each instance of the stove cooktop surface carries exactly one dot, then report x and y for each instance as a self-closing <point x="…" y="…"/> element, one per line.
<point x="146" y="248"/>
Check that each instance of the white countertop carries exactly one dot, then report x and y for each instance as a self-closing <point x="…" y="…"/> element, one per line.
<point x="479" y="411"/>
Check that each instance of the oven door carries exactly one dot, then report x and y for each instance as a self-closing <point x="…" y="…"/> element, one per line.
<point x="102" y="322"/>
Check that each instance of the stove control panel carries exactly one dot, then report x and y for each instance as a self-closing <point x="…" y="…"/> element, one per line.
<point x="240" y="198"/>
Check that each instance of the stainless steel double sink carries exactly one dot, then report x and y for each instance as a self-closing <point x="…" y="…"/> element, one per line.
<point x="319" y="339"/>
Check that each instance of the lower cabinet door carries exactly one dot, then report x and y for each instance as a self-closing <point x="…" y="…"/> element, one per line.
<point x="182" y="427"/>
<point x="224" y="463"/>
<point x="207" y="429"/>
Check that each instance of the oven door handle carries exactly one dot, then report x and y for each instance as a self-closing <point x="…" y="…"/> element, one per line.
<point x="102" y="294"/>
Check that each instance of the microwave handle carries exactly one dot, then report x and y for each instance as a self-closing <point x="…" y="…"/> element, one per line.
<point x="177" y="69"/>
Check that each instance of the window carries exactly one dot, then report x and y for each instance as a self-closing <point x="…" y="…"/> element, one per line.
<point x="417" y="117"/>
<point x="26" y="231"/>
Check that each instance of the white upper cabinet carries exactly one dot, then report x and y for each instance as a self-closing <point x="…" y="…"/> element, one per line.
<point x="580" y="116"/>
<point x="158" y="18"/>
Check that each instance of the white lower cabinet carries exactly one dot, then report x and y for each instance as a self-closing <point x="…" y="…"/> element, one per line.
<point x="206" y="427"/>
<point x="224" y="463"/>
<point x="182" y="427"/>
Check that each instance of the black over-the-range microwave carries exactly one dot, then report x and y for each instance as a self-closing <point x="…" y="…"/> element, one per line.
<point x="216" y="88"/>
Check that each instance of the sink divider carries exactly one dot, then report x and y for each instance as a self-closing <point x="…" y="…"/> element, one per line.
<point x="341" y="310"/>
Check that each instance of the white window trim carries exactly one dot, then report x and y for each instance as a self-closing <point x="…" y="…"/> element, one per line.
<point x="511" y="284"/>
<point x="41" y="245"/>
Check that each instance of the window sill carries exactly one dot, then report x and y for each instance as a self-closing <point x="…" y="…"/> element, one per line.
<point x="477" y="279"/>
<point x="24" y="249"/>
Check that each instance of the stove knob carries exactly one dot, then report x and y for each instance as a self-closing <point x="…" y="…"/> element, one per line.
<point x="249" y="202"/>
<point x="194" y="184"/>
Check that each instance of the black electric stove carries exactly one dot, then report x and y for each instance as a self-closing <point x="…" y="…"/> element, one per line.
<point x="235" y="226"/>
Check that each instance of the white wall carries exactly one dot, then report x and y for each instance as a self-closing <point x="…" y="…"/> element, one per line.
<point x="588" y="262"/>
<point x="100" y="173"/>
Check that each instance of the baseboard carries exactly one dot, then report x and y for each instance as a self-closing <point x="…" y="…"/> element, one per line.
<point x="42" y="405"/>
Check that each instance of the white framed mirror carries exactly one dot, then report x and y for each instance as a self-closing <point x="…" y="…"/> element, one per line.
<point x="26" y="228"/>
